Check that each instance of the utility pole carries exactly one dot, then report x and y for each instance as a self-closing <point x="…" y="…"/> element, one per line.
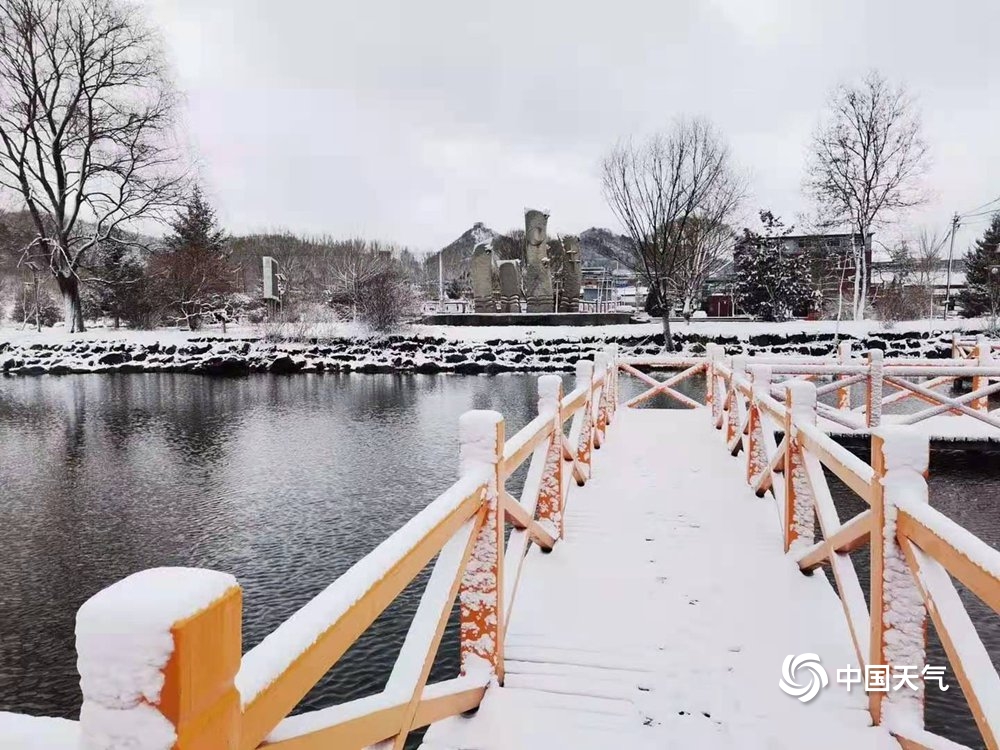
<point x="955" y="221"/>
<point x="440" y="280"/>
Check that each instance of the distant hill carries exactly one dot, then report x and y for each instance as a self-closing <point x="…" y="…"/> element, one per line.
<point x="596" y="243"/>
<point x="456" y="255"/>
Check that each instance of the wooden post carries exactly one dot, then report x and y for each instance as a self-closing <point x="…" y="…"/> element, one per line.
<point x="712" y="396"/>
<point x="955" y="351"/>
<point x="585" y="377"/>
<point x="844" y="393"/>
<point x="898" y="634"/>
<point x="799" y="514"/>
<point x="601" y="368"/>
<point x="158" y="653"/>
<point x="873" y="392"/>
<point x="984" y="358"/>
<point x="481" y="438"/>
<point x="760" y="377"/>
<point x="739" y="367"/>
<point x="550" y="496"/>
<point x="612" y="350"/>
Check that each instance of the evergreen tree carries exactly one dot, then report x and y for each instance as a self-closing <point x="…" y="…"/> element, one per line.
<point x="118" y="279"/>
<point x="770" y="284"/>
<point x="193" y="272"/>
<point x="196" y="227"/>
<point x="981" y="295"/>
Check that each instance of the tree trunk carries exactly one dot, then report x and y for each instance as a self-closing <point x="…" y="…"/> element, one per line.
<point x="668" y="338"/>
<point x="69" y="288"/>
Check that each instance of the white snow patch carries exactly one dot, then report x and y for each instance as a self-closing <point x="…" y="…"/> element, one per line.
<point x="20" y="732"/>
<point x="123" y="642"/>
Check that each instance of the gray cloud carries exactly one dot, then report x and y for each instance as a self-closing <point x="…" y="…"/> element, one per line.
<point x="409" y="121"/>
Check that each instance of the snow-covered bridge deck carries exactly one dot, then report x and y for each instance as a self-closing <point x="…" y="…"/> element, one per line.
<point x="663" y="617"/>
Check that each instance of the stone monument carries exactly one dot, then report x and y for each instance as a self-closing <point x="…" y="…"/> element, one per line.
<point x="572" y="276"/>
<point x="482" y="269"/>
<point x="538" y="276"/>
<point x="510" y="286"/>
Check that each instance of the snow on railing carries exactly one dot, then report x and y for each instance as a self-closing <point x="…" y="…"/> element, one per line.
<point x="159" y="652"/>
<point x="914" y="550"/>
<point x="907" y="378"/>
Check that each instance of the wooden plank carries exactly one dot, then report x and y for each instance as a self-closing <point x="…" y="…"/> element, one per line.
<point x="518" y="541"/>
<point x="850" y="469"/>
<point x="370" y="720"/>
<point x="275" y="701"/>
<point x="876" y="588"/>
<point x="523" y="444"/>
<point x="926" y="530"/>
<point x="520" y="518"/>
<point x="970" y="661"/>
<point x="425" y="635"/>
<point x="949" y="404"/>
<point x="850" y="536"/>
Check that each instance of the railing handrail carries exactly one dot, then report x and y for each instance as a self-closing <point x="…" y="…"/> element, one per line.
<point x="899" y="522"/>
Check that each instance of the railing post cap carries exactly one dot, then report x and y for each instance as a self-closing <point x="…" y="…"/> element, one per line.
<point x="480" y="441"/>
<point x="903" y="447"/>
<point x="123" y="632"/>
<point x="478" y="423"/>
<point x="584" y="368"/>
<point x="549" y="387"/>
<point x="801" y="395"/>
<point x="844" y="347"/>
<point x="739" y="363"/>
<point x="876" y="355"/>
<point x="760" y="373"/>
<point x="601" y="360"/>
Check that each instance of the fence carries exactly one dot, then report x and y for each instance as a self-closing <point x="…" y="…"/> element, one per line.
<point x="159" y="652"/>
<point x="873" y="373"/>
<point x="914" y="550"/>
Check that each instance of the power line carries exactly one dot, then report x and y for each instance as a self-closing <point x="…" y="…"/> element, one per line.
<point x="972" y="211"/>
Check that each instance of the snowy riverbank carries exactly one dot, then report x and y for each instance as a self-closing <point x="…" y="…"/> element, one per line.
<point x="439" y="348"/>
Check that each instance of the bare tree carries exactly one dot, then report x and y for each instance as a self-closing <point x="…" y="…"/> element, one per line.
<point x="85" y="127"/>
<point x="868" y="157"/>
<point x="661" y="190"/>
<point x="927" y="264"/>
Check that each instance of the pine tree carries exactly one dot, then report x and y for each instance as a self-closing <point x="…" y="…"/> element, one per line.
<point x="118" y="276"/>
<point x="771" y="285"/>
<point x="196" y="227"/>
<point x="981" y="295"/>
<point x="193" y="272"/>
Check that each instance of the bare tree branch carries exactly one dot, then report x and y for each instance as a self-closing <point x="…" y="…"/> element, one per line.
<point x="86" y="126"/>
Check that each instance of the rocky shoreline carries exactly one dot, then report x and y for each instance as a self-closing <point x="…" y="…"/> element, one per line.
<point x="418" y="353"/>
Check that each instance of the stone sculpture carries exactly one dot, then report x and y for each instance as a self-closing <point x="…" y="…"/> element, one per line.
<point x="510" y="286"/>
<point x="571" y="275"/>
<point x="483" y="270"/>
<point x="538" y="276"/>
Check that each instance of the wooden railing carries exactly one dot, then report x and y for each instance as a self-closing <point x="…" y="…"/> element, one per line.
<point x="199" y="688"/>
<point x="914" y="550"/>
<point x="908" y="378"/>
<point x="971" y="347"/>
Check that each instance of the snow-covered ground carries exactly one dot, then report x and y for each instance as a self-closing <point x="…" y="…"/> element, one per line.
<point x="14" y="334"/>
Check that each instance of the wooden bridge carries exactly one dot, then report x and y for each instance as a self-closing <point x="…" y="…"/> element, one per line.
<point x="663" y="616"/>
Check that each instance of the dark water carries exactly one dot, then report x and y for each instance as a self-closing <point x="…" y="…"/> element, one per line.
<point x="284" y="482"/>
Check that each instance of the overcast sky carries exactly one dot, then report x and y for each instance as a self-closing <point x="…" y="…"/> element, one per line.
<point x="408" y="121"/>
